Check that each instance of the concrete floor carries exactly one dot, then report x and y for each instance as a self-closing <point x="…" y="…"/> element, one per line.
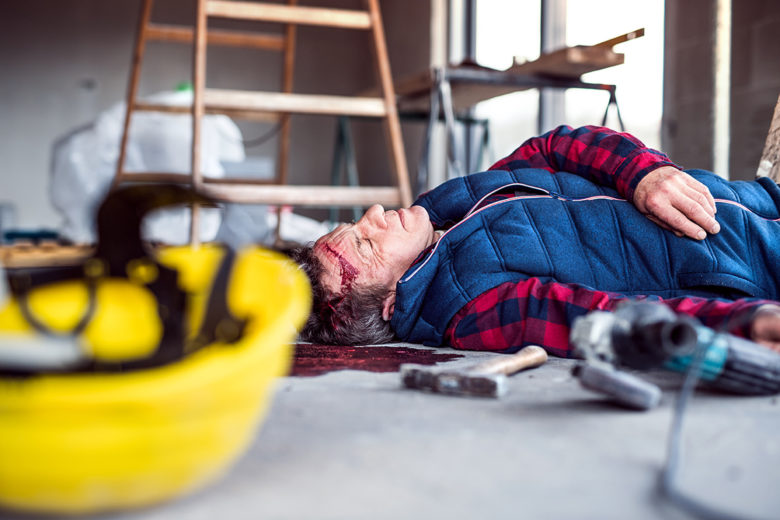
<point x="354" y="445"/>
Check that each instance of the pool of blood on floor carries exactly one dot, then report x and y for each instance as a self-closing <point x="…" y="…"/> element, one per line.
<point x="314" y="360"/>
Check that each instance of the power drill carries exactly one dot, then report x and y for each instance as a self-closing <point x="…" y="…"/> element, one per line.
<point x="647" y="335"/>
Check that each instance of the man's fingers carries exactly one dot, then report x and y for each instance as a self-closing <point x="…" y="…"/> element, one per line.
<point x="675" y="198"/>
<point x="765" y="328"/>
<point x="687" y="211"/>
<point x="662" y="224"/>
<point x="700" y="188"/>
<point x="679" y="222"/>
<point x="694" y="209"/>
<point x="658" y="222"/>
<point x="684" y="214"/>
<point x="700" y="199"/>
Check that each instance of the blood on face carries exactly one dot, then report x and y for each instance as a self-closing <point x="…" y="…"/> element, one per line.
<point x="348" y="271"/>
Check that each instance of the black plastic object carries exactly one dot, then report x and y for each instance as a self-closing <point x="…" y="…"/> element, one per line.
<point x="645" y="335"/>
<point x="120" y="244"/>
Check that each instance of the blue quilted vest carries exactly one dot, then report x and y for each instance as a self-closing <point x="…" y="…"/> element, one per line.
<point x="564" y="228"/>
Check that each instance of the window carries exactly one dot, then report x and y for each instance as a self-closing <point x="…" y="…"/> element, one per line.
<point x="509" y="28"/>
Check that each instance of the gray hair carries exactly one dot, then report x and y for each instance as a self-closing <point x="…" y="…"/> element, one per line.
<point x="352" y="318"/>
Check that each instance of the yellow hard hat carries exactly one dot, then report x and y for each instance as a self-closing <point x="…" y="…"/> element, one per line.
<point x="135" y="377"/>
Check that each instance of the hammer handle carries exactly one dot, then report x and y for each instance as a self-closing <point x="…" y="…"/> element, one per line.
<point x="529" y="357"/>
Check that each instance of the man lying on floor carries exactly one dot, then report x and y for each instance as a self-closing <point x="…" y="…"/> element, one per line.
<point x="510" y="257"/>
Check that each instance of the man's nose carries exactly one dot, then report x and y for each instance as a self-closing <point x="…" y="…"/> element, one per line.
<point x="373" y="217"/>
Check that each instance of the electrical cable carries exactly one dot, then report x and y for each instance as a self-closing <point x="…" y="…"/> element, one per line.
<point x="264" y="138"/>
<point x="669" y="472"/>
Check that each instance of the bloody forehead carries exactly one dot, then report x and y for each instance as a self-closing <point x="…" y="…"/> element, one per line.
<point x="348" y="271"/>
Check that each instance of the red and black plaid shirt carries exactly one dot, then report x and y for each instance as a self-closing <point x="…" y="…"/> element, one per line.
<point x="513" y="315"/>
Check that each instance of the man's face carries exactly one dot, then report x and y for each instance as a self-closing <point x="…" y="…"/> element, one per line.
<point x="376" y="250"/>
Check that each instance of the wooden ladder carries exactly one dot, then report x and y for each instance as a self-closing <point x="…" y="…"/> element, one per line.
<point x="269" y="106"/>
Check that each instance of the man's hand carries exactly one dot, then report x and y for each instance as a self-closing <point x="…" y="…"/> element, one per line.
<point x="676" y="201"/>
<point x="765" y="328"/>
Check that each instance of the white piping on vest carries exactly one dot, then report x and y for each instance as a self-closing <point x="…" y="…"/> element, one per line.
<point x="473" y="211"/>
<point x="742" y="206"/>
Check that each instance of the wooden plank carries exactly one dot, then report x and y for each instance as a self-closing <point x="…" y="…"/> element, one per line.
<point x="416" y="85"/>
<point x="186" y="178"/>
<point x="294" y="103"/>
<point x="769" y="166"/>
<point x="622" y="38"/>
<point x="570" y="62"/>
<point x="414" y="91"/>
<point x="29" y="255"/>
<point x="172" y="178"/>
<point x="317" y="196"/>
<point x="266" y="191"/>
<point x="573" y="62"/>
<point x="471" y="84"/>
<point x="267" y="117"/>
<point x="344" y="18"/>
<point x="181" y="34"/>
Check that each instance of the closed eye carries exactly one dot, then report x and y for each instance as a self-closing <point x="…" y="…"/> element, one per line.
<point x="360" y="245"/>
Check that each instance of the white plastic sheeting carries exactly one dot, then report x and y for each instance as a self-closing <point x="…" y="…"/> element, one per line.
<point x="84" y="163"/>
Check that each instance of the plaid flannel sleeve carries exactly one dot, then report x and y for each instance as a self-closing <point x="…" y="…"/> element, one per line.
<point x="609" y="158"/>
<point x="532" y="312"/>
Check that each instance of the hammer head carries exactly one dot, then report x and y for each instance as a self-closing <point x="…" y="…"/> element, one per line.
<point x="452" y="382"/>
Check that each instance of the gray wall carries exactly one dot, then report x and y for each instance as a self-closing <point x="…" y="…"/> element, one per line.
<point x="63" y="63"/>
<point x="688" y="81"/>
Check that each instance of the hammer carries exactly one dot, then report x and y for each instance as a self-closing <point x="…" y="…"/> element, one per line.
<point x="485" y="379"/>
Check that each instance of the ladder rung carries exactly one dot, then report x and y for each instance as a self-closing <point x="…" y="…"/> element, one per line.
<point x="253" y="115"/>
<point x="319" y="196"/>
<point x="294" y="14"/>
<point x="186" y="178"/>
<point x="171" y="178"/>
<point x="181" y="34"/>
<point x="256" y="191"/>
<point x="220" y="100"/>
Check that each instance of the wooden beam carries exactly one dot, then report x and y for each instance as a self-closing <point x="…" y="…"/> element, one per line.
<point x="318" y="196"/>
<point x="263" y="191"/>
<point x="570" y="62"/>
<point x="43" y="255"/>
<point x="293" y="103"/>
<point x="250" y="115"/>
<point x="181" y="34"/>
<point x="186" y="178"/>
<point x="344" y="18"/>
<point x="622" y="38"/>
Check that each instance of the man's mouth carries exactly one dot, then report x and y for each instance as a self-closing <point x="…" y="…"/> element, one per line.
<point x="401" y="218"/>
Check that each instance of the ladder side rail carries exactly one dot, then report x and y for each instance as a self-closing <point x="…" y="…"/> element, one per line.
<point x="392" y="122"/>
<point x="132" y="88"/>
